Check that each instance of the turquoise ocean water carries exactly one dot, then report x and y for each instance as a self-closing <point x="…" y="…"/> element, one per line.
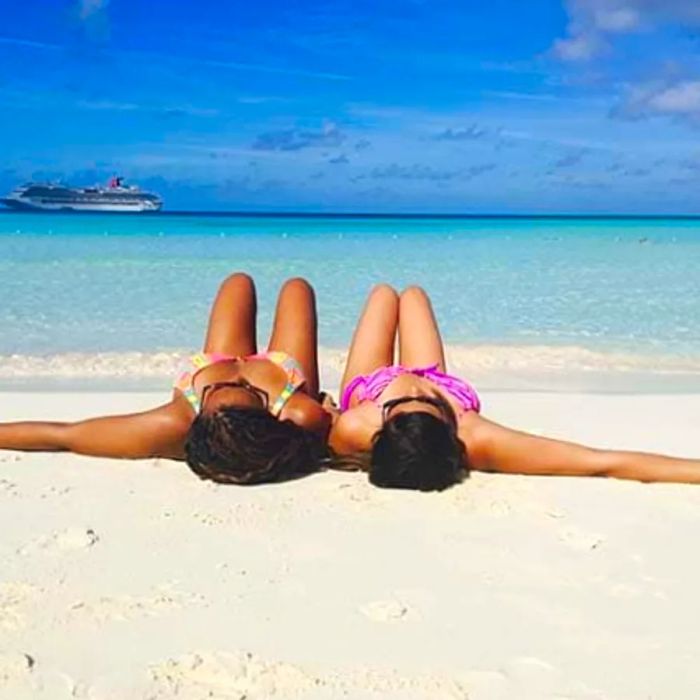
<point x="519" y="294"/>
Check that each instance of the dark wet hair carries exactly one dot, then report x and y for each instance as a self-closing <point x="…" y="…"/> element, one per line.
<point x="416" y="450"/>
<point x="250" y="446"/>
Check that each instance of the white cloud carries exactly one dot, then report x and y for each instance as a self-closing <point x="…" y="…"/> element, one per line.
<point x="580" y="47"/>
<point x="622" y="19"/>
<point x="683" y="98"/>
<point x="89" y="8"/>
<point x="158" y="109"/>
<point x="592" y="21"/>
<point x="94" y="18"/>
<point x="680" y="99"/>
<point x="25" y="43"/>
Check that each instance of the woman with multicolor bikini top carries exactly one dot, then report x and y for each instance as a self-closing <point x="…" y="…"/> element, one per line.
<point x="236" y="415"/>
<point x="412" y="425"/>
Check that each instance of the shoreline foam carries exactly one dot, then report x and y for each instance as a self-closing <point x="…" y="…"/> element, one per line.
<point x="489" y="367"/>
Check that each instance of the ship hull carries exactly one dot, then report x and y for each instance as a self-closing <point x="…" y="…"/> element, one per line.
<point x="105" y="207"/>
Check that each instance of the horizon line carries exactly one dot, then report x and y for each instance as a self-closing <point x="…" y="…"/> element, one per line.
<point x="354" y="215"/>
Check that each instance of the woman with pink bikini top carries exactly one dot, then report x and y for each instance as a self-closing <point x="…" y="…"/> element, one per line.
<point x="413" y="425"/>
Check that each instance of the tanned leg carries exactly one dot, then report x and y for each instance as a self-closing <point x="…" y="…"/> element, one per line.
<point x="295" y="331"/>
<point x="373" y="342"/>
<point x="231" y="328"/>
<point x="420" y="344"/>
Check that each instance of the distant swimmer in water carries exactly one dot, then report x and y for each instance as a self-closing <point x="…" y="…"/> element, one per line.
<point x="413" y="425"/>
<point x="236" y="415"/>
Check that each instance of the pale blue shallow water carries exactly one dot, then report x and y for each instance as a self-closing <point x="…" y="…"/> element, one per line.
<point x="110" y="283"/>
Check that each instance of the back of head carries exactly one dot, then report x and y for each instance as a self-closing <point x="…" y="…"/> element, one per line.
<point x="416" y="450"/>
<point x="249" y="446"/>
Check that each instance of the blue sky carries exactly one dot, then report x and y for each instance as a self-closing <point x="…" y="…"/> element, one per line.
<point x="580" y="106"/>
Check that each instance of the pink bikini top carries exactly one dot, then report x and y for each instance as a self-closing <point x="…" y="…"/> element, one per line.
<point x="369" y="387"/>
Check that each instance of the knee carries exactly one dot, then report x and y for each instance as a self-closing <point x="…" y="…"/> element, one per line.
<point x="414" y="293"/>
<point x="297" y="285"/>
<point x="239" y="281"/>
<point x="383" y="292"/>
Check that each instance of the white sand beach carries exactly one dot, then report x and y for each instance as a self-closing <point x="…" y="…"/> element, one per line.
<point x="137" y="580"/>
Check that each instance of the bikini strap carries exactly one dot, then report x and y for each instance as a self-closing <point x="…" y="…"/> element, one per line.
<point x="354" y="384"/>
<point x="195" y="363"/>
<point x="295" y="378"/>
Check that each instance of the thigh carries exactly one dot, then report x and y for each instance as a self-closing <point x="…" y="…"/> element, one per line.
<point x="372" y="343"/>
<point x="294" y="329"/>
<point x="420" y="344"/>
<point x="231" y="328"/>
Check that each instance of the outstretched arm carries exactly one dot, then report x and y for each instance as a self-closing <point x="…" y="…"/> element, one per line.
<point x="155" y="433"/>
<point x="494" y="448"/>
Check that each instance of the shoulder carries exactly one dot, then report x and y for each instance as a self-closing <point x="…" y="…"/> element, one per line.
<point x="353" y="431"/>
<point x="478" y="435"/>
<point x="307" y="413"/>
<point x="171" y="420"/>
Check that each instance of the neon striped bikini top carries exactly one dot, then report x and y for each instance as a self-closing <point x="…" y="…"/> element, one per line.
<point x="197" y="362"/>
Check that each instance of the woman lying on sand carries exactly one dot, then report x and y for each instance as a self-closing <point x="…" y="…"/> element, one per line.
<point x="416" y="427"/>
<point x="236" y="415"/>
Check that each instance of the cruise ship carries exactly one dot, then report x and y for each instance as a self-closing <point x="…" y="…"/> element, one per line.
<point x="115" y="197"/>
